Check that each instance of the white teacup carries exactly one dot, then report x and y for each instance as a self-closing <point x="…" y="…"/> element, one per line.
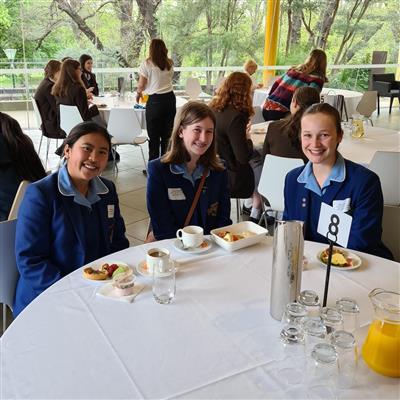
<point x="157" y="257"/>
<point x="191" y="236"/>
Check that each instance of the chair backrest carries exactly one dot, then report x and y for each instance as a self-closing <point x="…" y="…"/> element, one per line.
<point x="69" y="117"/>
<point x="123" y="125"/>
<point x="337" y="101"/>
<point x="272" y="180"/>
<point x="36" y="111"/>
<point x="8" y="266"/>
<point x="386" y="165"/>
<point x="367" y="104"/>
<point x="218" y="83"/>
<point x="193" y="88"/>
<point x="383" y="77"/>
<point x="257" y="118"/>
<point x="18" y="200"/>
<point x="391" y="230"/>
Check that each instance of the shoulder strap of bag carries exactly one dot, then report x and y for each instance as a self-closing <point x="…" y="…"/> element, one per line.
<point x="196" y="198"/>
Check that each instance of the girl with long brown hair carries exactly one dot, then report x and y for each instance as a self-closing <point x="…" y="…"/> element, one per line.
<point x="175" y="178"/>
<point x="155" y="78"/>
<point x="311" y="73"/>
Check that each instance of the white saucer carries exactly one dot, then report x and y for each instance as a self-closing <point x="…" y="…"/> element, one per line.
<point x="142" y="270"/>
<point x="192" y="250"/>
<point x="97" y="265"/>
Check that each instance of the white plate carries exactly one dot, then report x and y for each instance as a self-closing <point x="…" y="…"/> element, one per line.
<point x="192" y="250"/>
<point x="97" y="265"/>
<point x="259" y="234"/>
<point x="108" y="292"/>
<point x="142" y="270"/>
<point x="356" y="260"/>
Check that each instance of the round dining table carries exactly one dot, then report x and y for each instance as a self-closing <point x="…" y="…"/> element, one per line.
<point x="351" y="97"/>
<point x="215" y="340"/>
<point x="107" y="102"/>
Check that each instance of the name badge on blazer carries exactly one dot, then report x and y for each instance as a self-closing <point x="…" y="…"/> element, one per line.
<point x="342" y="205"/>
<point x="110" y="210"/>
<point x="176" y="194"/>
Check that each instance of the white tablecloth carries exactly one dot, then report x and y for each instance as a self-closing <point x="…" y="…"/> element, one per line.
<point x="351" y="97"/>
<point x="115" y="102"/>
<point x="216" y="340"/>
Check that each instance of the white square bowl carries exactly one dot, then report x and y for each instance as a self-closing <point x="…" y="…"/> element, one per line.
<point x="237" y="229"/>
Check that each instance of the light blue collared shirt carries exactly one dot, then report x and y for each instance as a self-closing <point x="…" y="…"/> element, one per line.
<point x="338" y="174"/>
<point x="182" y="169"/>
<point x="67" y="188"/>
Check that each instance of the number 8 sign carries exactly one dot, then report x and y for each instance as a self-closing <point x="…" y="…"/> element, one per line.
<point x="334" y="225"/>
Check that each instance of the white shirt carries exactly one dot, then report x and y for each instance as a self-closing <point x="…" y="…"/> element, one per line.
<point x="158" y="82"/>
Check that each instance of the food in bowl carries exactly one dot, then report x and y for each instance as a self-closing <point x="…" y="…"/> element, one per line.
<point x="339" y="258"/>
<point x="233" y="237"/>
<point x="124" y="283"/>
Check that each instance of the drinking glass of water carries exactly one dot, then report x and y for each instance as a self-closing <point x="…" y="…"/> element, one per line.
<point x="164" y="282"/>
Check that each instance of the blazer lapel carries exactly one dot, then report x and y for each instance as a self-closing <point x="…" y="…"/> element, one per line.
<point x="75" y="219"/>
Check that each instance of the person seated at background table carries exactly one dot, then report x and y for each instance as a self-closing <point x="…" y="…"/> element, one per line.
<point x="69" y="218"/>
<point x="311" y="73"/>
<point x="250" y="67"/>
<point x="329" y="178"/>
<point x="174" y="179"/>
<point x="283" y="136"/>
<point x="88" y="77"/>
<point x="46" y="102"/>
<point x="155" y="77"/>
<point x="70" y="90"/>
<point x="233" y="109"/>
<point x="18" y="161"/>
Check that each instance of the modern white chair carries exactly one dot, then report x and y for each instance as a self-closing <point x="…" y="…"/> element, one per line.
<point x="18" y="200"/>
<point x="367" y="104"/>
<point x="257" y="118"/>
<point x="386" y="165"/>
<point x="8" y="266"/>
<point x="218" y="83"/>
<point x="193" y="88"/>
<point x="272" y="180"/>
<point x="124" y="127"/>
<point x="391" y="230"/>
<point x="69" y="117"/>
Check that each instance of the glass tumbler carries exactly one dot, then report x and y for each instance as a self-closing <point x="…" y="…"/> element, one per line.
<point x="350" y="313"/>
<point x="314" y="333"/>
<point x="310" y="300"/>
<point x="164" y="282"/>
<point x="294" y="314"/>
<point x="332" y="319"/>
<point x="346" y="348"/>
<point x="322" y="372"/>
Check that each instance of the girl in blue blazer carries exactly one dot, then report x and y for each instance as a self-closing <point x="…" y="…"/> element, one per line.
<point x="329" y="178"/>
<point x="69" y="218"/>
<point x="173" y="179"/>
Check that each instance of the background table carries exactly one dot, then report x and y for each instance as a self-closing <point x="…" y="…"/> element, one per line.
<point x="359" y="150"/>
<point x="351" y="98"/>
<point x="116" y="102"/>
<point x="216" y="340"/>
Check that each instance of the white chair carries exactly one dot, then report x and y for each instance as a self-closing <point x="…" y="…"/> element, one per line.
<point x="124" y="127"/>
<point x="18" y="199"/>
<point x="69" y="117"/>
<point x="8" y="266"/>
<point x="391" y="230"/>
<point x="257" y="118"/>
<point x="386" y="165"/>
<point x="367" y="104"/>
<point x="272" y="180"/>
<point x="218" y="83"/>
<point x="193" y="88"/>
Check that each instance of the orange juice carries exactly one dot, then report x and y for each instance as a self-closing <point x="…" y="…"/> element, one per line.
<point x="381" y="350"/>
<point x="145" y="97"/>
<point x="358" y="128"/>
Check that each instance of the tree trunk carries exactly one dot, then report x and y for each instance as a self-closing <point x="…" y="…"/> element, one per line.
<point x="327" y="16"/>
<point x="296" y="29"/>
<point x="290" y="27"/>
<point x="148" y="10"/>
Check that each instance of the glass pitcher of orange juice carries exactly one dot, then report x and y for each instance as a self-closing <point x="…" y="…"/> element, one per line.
<point x="381" y="349"/>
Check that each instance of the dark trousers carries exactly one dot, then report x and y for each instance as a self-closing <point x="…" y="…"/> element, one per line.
<point x="273" y="115"/>
<point x="160" y="114"/>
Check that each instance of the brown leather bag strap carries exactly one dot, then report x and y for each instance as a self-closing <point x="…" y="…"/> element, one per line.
<point x="196" y="198"/>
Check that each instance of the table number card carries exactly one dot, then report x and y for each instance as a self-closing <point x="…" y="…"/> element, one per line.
<point x="334" y="225"/>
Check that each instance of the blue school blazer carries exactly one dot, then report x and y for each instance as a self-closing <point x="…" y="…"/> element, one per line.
<point x="170" y="195"/>
<point x="362" y="187"/>
<point x="50" y="239"/>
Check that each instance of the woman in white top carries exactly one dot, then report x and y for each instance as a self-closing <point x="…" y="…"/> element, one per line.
<point x="155" y="78"/>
